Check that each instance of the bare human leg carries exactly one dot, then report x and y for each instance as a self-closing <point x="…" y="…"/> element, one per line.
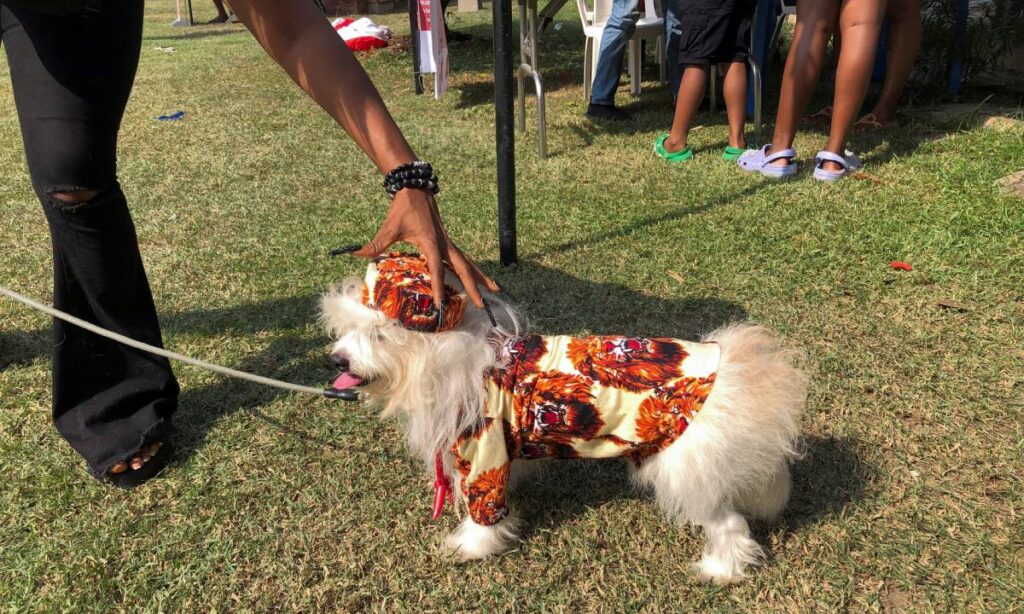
<point x="860" y="22"/>
<point x="905" y="29"/>
<point x="734" y="90"/>
<point x="691" y="92"/>
<point x="222" y="14"/>
<point x="814" y="26"/>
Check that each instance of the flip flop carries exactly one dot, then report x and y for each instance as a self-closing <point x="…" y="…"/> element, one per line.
<point x="821" y="116"/>
<point x="849" y="162"/>
<point x="733" y="153"/>
<point x="870" y="122"/>
<point x="673" y="157"/>
<point x="759" y="161"/>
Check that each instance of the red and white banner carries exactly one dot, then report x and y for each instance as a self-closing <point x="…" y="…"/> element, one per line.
<point x="362" y="34"/>
<point x="433" y="46"/>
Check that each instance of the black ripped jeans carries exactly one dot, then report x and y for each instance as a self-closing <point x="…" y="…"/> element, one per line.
<point x="71" y="76"/>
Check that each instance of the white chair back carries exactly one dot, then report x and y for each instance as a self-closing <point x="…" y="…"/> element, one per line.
<point x="602" y="10"/>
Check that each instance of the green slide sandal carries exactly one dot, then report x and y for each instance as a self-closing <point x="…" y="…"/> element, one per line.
<point x="731" y="154"/>
<point x="674" y="157"/>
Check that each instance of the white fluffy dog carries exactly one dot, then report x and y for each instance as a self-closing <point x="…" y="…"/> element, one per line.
<point x="724" y="455"/>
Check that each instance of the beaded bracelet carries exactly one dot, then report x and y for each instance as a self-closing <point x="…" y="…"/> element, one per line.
<point x="419" y="175"/>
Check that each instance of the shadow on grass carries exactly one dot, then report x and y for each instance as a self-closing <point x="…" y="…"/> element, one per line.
<point x="285" y="358"/>
<point x="826" y="479"/>
<point x="619" y="233"/>
<point x="897" y="142"/>
<point x="23" y="347"/>
<point x="562" y="490"/>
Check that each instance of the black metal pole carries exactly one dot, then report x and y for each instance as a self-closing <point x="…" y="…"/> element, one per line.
<point x="956" y="73"/>
<point x="503" y="133"/>
<point x="414" y="35"/>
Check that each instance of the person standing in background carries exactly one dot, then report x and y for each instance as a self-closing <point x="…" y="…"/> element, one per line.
<point x="618" y="30"/>
<point x="859" y="22"/>
<point x="72" y="66"/>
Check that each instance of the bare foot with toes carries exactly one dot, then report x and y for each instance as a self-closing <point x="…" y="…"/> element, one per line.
<point x="136" y="462"/>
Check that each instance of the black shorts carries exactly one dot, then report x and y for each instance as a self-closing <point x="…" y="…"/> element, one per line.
<point x="714" y="31"/>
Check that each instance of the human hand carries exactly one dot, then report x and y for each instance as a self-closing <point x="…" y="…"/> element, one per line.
<point x="414" y="218"/>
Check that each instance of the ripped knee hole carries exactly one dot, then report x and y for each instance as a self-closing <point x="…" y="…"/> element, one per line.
<point x="74" y="197"/>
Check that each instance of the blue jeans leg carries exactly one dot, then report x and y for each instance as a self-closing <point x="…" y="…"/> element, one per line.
<point x="672" y="33"/>
<point x="617" y="31"/>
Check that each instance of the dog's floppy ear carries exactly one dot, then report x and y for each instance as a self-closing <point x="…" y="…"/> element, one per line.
<point x="341" y="309"/>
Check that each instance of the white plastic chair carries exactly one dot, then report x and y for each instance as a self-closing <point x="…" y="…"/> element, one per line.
<point x="649" y="26"/>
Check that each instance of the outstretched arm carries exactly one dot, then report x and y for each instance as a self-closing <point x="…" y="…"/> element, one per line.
<point x="296" y="35"/>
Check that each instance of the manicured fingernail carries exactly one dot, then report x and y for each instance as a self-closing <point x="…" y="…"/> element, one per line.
<point x="348" y="249"/>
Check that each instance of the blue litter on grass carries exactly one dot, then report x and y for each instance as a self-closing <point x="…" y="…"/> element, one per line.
<point x="174" y="116"/>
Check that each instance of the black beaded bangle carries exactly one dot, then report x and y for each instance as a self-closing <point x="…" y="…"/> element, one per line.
<point x="419" y="175"/>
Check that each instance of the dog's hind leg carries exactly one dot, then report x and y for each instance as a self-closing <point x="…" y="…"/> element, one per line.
<point x="470" y="541"/>
<point x="688" y="492"/>
<point x="768" y="502"/>
<point x="729" y="549"/>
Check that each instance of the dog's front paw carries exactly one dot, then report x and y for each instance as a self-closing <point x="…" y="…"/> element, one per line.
<point x="471" y="541"/>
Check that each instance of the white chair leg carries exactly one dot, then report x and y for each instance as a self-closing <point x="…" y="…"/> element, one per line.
<point x="588" y="68"/>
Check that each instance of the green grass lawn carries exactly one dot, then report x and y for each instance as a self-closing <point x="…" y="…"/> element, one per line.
<point x="910" y="495"/>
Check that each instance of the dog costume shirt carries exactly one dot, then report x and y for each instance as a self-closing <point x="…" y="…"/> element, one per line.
<point x="592" y="397"/>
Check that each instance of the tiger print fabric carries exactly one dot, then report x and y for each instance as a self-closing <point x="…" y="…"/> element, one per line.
<point x="592" y="397"/>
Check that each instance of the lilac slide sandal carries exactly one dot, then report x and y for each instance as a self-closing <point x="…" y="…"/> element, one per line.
<point x="758" y="161"/>
<point x="849" y="162"/>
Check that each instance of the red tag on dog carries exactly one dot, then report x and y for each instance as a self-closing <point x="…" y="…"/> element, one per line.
<point x="442" y="488"/>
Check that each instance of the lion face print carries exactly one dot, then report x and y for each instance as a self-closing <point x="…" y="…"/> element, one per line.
<point x="519" y="355"/>
<point x="485" y="496"/>
<point x="665" y="414"/>
<point x="630" y="363"/>
<point x="555" y="407"/>
<point x="402" y="292"/>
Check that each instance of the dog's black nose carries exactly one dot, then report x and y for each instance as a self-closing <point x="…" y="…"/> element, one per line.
<point x="341" y="361"/>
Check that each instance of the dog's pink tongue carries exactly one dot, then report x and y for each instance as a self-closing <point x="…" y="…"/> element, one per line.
<point x="346" y="380"/>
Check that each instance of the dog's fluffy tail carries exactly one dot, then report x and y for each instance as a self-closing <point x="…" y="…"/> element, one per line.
<point x="754" y="406"/>
<point x="736" y="452"/>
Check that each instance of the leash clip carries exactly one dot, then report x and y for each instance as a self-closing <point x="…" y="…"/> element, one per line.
<point x="342" y="395"/>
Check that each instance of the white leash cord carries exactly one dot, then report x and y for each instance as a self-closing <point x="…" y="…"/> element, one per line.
<point x="331" y="393"/>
